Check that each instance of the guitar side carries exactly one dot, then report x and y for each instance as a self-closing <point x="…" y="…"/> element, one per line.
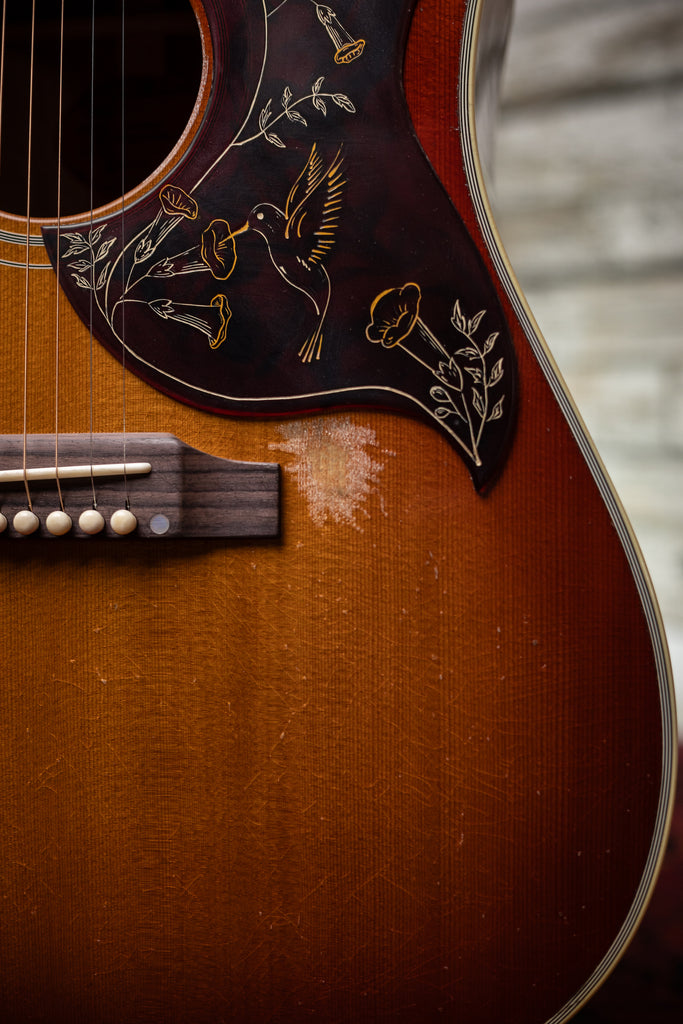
<point x="412" y="758"/>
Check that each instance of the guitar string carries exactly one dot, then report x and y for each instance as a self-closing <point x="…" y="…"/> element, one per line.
<point x="92" y="255"/>
<point x="58" y="258"/>
<point x="2" y="70"/>
<point x="123" y="246"/>
<point x="27" y="259"/>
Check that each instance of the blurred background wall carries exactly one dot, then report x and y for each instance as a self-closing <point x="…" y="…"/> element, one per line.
<point x="588" y="198"/>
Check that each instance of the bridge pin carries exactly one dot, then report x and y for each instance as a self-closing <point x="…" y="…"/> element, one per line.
<point x="26" y="522"/>
<point x="91" y="521"/>
<point x="123" y="521"/>
<point x="58" y="523"/>
<point x="3" y="522"/>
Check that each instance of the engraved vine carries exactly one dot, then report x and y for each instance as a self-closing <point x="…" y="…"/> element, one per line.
<point x="467" y="376"/>
<point x="475" y="402"/>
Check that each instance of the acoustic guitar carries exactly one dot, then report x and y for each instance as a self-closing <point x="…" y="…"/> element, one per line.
<point x="334" y="688"/>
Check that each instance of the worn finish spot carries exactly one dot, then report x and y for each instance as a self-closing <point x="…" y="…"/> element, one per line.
<point x="333" y="469"/>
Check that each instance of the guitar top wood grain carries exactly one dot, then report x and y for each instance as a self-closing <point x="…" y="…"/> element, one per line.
<point x="410" y="760"/>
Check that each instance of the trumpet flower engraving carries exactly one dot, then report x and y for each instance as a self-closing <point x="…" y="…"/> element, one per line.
<point x="347" y="48"/>
<point x="176" y="205"/>
<point x="218" y="249"/>
<point x="469" y="384"/>
<point x="212" y="319"/>
<point x="120" y="270"/>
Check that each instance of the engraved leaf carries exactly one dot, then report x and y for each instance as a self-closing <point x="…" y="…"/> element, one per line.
<point x="439" y="395"/>
<point x="102" y="279"/>
<point x="496" y="373"/>
<point x="294" y="115"/>
<point x="104" y="249"/>
<point x="475" y="321"/>
<point x="457" y="319"/>
<point x="96" y="234"/>
<point x="318" y="84"/>
<point x="76" y="248"/>
<point x="477" y="402"/>
<point x="442" y="413"/>
<point x="470" y="353"/>
<point x="81" y="281"/>
<point x="77" y="243"/>
<point x="344" y="102"/>
<point x="275" y="140"/>
<point x="490" y="342"/>
<point x="81" y="265"/>
<point x="475" y="373"/>
<point x="265" y="116"/>
<point x="497" y="411"/>
<point x="286" y="97"/>
<point x="320" y="105"/>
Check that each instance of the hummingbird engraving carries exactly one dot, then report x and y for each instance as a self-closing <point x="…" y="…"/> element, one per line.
<point x="300" y="236"/>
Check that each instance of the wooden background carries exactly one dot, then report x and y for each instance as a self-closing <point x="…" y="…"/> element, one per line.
<point x="588" y="195"/>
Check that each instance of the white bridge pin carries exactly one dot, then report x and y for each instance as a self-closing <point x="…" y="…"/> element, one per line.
<point x="3" y="522"/>
<point x="26" y="522"/>
<point x="123" y="521"/>
<point x="91" y="521"/>
<point x="58" y="523"/>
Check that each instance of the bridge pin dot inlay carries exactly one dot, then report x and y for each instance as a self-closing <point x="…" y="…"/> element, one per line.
<point x="91" y="521"/>
<point x="123" y="521"/>
<point x="26" y="522"/>
<point x="58" y="523"/>
<point x="159" y="524"/>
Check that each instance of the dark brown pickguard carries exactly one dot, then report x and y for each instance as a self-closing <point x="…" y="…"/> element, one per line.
<point x="231" y="332"/>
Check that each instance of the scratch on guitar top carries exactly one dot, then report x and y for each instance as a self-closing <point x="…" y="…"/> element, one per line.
<point x="333" y="469"/>
<point x="47" y="775"/>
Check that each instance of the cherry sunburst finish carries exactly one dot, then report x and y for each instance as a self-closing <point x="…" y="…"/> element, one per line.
<point x="406" y="756"/>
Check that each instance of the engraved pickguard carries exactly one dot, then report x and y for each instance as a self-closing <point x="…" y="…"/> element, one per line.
<point x="303" y="254"/>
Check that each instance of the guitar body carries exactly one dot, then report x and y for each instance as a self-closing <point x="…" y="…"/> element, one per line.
<point x="409" y="761"/>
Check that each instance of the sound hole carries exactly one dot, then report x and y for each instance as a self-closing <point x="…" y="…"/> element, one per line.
<point x="163" y="61"/>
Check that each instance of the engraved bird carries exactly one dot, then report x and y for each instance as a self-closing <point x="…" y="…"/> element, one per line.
<point x="300" y="237"/>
